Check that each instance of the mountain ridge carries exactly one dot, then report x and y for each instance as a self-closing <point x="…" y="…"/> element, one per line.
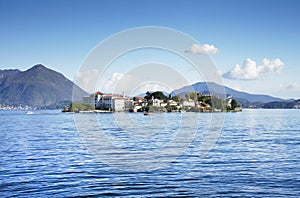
<point x="37" y="86"/>
<point x="7" y="72"/>
<point x="41" y="86"/>
<point x="220" y="90"/>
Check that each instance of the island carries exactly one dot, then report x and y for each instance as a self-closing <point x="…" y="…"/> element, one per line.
<point x="156" y="101"/>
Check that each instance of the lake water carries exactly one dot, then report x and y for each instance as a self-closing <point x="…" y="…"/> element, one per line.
<point x="256" y="154"/>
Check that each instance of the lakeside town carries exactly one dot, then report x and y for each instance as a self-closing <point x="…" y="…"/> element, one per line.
<point x="17" y="107"/>
<point x="153" y="102"/>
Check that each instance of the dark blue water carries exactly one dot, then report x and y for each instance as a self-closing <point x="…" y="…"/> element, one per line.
<point x="256" y="155"/>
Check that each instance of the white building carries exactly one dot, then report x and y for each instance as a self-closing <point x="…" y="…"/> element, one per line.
<point x="163" y="104"/>
<point x="106" y="101"/>
<point x="93" y="99"/>
<point x="229" y="103"/>
<point x="189" y="103"/>
<point x="173" y="103"/>
<point x="118" y="104"/>
<point x="129" y="104"/>
<point x="156" y="102"/>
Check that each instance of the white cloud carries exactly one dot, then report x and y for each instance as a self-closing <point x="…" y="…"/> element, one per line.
<point x="86" y="79"/>
<point x="111" y="83"/>
<point x="218" y="73"/>
<point x="203" y="49"/>
<point x="251" y="70"/>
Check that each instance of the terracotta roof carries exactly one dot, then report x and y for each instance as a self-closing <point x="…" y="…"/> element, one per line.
<point x="139" y="98"/>
<point x="99" y="93"/>
<point x="119" y="98"/>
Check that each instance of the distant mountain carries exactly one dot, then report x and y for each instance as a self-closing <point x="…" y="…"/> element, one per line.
<point x="216" y="89"/>
<point x="37" y="86"/>
<point x="295" y="104"/>
<point x="8" y="72"/>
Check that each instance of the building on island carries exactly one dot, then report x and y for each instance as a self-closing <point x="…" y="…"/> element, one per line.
<point x="119" y="103"/>
<point x="156" y="102"/>
<point x="106" y="101"/>
<point x="189" y="103"/>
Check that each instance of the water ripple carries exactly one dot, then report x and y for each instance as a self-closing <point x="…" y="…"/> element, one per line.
<point x="42" y="155"/>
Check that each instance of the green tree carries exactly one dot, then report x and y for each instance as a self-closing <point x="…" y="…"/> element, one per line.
<point x="187" y="96"/>
<point x="234" y="104"/>
<point x="176" y="98"/>
<point x="148" y="95"/>
<point x="157" y="94"/>
<point x="80" y="106"/>
<point x="179" y="97"/>
<point x="205" y="99"/>
<point x="216" y="103"/>
<point x="71" y="107"/>
<point x="194" y="96"/>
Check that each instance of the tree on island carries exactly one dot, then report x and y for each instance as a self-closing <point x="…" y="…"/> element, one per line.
<point x="157" y="94"/>
<point x="176" y="98"/>
<point x="234" y="104"/>
<point x="194" y="96"/>
<point x="202" y="103"/>
<point x="179" y="98"/>
<point x="80" y="106"/>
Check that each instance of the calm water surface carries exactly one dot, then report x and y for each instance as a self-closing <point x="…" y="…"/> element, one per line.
<point x="256" y="155"/>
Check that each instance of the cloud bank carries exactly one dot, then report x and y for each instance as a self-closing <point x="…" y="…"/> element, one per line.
<point x="203" y="49"/>
<point x="250" y="70"/>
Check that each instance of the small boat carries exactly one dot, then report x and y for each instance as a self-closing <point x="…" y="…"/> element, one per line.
<point x="29" y="112"/>
<point x="148" y="114"/>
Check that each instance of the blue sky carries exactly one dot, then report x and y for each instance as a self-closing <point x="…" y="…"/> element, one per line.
<point x="60" y="34"/>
